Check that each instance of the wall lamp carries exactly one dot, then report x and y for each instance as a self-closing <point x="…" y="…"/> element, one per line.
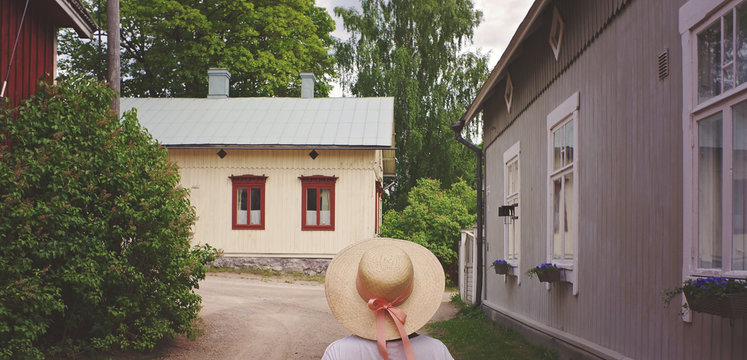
<point x="508" y="211"/>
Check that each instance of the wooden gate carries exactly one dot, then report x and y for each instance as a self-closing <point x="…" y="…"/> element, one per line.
<point x="467" y="258"/>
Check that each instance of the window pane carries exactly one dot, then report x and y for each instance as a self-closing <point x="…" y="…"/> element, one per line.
<point x="513" y="178"/>
<point x="729" y="77"/>
<point x="728" y="20"/>
<point x="728" y="59"/>
<point x="241" y="206"/>
<point x="741" y="46"/>
<point x="311" y="217"/>
<point x="709" y="62"/>
<point x="256" y="213"/>
<point x="513" y="240"/>
<point x="568" y="142"/>
<point x="310" y="206"/>
<point x="710" y="148"/>
<point x="569" y="235"/>
<point x="557" y="236"/>
<point x="310" y="199"/>
<point x="324" y="201"/>
<point x="557" y="147"/>
<point x="739" y="189"/>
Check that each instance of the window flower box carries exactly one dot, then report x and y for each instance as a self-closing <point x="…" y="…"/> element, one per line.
<point x="547" y="272"/>
<point x="728" y="306"/>
<point x="501" y="267"/>
<point x="713" y="295"/>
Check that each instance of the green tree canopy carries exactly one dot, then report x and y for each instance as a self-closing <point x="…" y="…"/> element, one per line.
<point x="94" y="233"/>
<point x="168" y="45"/>
<point x="434" y="217"/>
<point x="413" y="50"/>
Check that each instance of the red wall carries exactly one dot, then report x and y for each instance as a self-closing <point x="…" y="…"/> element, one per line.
<point x="34" y="57"/>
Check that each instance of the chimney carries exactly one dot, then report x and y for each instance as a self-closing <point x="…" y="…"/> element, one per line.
<point x="307" y="85"/>
<point x="219" y="80"/>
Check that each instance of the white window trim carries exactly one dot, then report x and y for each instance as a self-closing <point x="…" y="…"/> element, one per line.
<point x="513" y="153"/>
<point x="693" y="17"/>
<point x="561" y="114"/>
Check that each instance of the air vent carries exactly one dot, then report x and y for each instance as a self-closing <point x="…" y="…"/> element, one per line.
<point x="508" y="95"/>
<point x="663" y="64"/>
<point x="556" y="33"/>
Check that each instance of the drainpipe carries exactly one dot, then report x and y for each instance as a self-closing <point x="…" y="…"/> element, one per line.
<point x="457" y="128"/>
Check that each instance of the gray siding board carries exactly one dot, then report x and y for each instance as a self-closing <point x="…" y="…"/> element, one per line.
<point x="630" y="183"/>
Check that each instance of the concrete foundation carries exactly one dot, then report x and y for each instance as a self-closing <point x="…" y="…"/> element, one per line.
<point x="564" y="350"/>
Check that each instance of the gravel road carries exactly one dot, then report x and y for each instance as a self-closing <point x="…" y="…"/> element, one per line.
<point x="249" y="317"/>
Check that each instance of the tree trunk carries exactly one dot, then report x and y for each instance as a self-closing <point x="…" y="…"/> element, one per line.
<point x="112" y="49"/>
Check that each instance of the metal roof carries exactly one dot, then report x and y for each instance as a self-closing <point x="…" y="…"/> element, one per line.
<point x="362" y="122"/>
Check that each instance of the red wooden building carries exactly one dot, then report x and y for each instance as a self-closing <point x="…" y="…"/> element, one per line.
<point x="30" y="26"/>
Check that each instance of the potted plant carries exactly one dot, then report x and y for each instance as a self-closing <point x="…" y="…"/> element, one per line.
<point x="713" y="295"/>
<point x="501" y="267"/>
<point x="546" y="272"/>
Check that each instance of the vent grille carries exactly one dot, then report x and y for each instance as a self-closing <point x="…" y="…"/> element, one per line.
<point x="663" y="64"/>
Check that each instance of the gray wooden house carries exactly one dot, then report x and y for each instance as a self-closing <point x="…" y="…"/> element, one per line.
<point x="617" y="129"/>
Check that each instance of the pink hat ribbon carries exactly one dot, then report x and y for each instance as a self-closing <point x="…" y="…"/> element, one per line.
<point x="384" y="308"/>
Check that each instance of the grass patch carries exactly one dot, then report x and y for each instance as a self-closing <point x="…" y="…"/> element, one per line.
<point x="286" y="276"/>
<point x="470" y="335"/>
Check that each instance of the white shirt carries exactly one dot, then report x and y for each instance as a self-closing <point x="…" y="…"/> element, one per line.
<point x="354" y="347"/>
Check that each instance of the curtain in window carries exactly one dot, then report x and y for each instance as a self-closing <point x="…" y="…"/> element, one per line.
<point x="324" y="211"/>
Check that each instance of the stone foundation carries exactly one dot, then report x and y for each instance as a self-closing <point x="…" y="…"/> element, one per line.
<point x="300" y="265"/>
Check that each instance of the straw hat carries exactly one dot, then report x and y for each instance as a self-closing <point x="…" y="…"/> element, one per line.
<point x="385" y="269"/>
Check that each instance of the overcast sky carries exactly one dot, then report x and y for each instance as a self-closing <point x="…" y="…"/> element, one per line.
<point x="500" y="20"/>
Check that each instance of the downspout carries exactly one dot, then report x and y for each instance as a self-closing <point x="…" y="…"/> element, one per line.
<point x="457" y="128"/>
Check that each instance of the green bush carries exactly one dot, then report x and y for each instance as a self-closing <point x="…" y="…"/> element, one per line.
<point x="434" y="217"/>
<point x="94" y="232"/>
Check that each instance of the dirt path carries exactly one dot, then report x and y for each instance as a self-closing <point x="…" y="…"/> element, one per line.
<point x="248" y="317"/>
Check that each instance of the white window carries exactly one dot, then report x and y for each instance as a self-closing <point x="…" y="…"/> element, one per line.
<point x="714" y="38"/>
<point x="562" y="192"/>
<point x="511" y="191"/>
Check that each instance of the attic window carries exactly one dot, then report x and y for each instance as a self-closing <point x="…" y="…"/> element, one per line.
<point x="508" y="96"/>
<point x="556" y="32"/>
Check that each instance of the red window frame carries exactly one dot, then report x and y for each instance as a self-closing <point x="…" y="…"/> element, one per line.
<point x="249" y="182"/>
<point x="318" y="182"/>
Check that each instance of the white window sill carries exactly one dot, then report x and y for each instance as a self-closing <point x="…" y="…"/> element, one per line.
<point x="563" y="264"/>
<point x="734" y="274"/>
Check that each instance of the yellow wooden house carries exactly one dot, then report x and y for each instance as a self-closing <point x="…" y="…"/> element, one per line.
<point x="281" y="183"/>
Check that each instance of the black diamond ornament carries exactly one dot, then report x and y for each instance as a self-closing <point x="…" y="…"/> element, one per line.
<point x="313" y="154"/>
<point x="222" y="153"/>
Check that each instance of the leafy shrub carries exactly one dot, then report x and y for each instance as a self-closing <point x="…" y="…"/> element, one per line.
<point x="434" y="217"/>
<point x="94" y="233"/>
